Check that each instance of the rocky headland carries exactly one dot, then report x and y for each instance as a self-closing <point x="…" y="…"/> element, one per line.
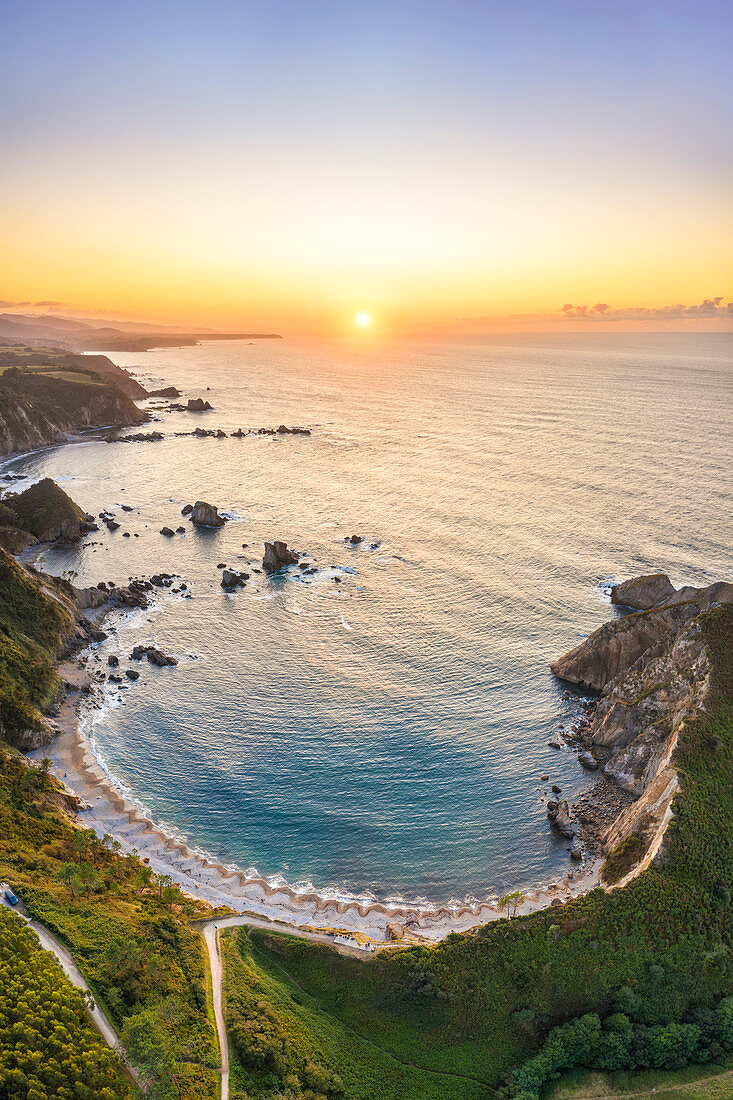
<point x="44" y="404"/>
<point x="650" y="670"/>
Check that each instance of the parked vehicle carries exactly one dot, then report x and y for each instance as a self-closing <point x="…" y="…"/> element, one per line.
<point x="8" y="894"/>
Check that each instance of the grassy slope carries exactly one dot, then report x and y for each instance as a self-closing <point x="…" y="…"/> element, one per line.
<point x="711" y="1082"/>
<point x="667" y="936"/>
<point x="315" y="1036"/>
<point x="137" y="953"/>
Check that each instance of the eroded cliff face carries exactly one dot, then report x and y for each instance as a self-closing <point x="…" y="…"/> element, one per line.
<point x="652" y="670"/>
<point x="639" y="713"/>
<point x="37" y="411"/>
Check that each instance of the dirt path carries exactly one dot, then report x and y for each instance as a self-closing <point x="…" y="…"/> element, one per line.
<point x="211" y="939"/>
<point x="659" y="1090"/>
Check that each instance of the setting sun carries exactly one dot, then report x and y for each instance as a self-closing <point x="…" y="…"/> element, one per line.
<point x="363" y="319"/>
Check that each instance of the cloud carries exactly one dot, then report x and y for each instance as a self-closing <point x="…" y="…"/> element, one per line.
<point x="709" y="307"/>
<point x="24" y="305"/>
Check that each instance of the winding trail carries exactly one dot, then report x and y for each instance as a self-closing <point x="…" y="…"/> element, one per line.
<point x="99" y="1018"/>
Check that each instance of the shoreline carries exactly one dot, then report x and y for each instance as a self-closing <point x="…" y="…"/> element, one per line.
<point x="203" y="878"/>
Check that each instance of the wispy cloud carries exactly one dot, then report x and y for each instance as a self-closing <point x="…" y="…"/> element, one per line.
<point x="45" y="304"/>
<point x="709" y="307"/>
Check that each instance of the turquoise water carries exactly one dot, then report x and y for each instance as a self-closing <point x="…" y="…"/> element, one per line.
<point x="385" y="735"/>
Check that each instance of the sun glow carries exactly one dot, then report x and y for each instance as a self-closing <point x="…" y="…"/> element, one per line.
<point x="363" y="319"/>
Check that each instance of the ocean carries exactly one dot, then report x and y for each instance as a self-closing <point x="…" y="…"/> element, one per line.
<point x="383" y="735"/>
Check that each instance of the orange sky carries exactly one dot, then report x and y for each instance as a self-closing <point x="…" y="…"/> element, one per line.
<point x="443" y="165"/>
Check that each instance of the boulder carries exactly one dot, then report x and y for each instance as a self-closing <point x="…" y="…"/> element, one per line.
<point x="206" y="515"/>
<point x="167" y="532"/>
<point x="112" y="524"/>
<point x="588" y="761"/>
<point x="197" y="405"/>
<point x="132" y="674"/>
<point x="641" y="593"/>
<point x="355" y="540"/>
<point x="157" y="657"/>
<point x="113" y="661"/>
<point x="187" y="509"/>
<point x="277" y="556"/>
<point x="231" y="579"/>
<point x="559" y="815"/>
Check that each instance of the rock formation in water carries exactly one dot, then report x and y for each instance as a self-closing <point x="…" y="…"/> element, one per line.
<point x="277" y="556"/>
<point x="198" y="405"/>
<point x="641" y="593"/>
<point x="231" y="579"/>
<point x="612" y="649"/>
<point x="205" y="515"/>
<point x="652" y="672"/>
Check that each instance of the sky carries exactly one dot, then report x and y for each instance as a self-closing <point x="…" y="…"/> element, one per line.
<point x="290" y="166"/>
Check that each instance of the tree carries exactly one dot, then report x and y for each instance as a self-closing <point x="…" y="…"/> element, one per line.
<point x="69" y="873"/>
<point x="512" y="902"/>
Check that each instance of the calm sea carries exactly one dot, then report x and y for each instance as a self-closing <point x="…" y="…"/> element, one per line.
<point x="386" y="734"/>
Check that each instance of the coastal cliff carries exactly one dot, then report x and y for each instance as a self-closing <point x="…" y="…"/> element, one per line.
<point x="652" y="670"/>
<point x="40" y="407"/>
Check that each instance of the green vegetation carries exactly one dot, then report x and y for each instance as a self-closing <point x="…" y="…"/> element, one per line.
<point x="48" y="1047"/>
<point x="620" y="1042"/>
<point x="713" y="1081"/>
<point x="128" y="932"/>
<point x="479" y="1004"/>
<point x="283" y="1044"/>
<point x="43" y="509"/>
<point x="32" y="627"/>
<point x="624" y="857"/>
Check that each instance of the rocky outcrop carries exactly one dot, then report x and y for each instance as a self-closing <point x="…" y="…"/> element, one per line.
<point x="559" y="814"/>
<point x="205" y="515"/>
<point x="41" y="409"/>
<point x="652" y="670"/>
<point x="231" y="579"/>
<point x="277" y="556"/>
<point x="198" y="405"/>
<point x="641" y="593"/>
<point x="612" y="649"/>
<point x="48" y="513"/>
<point x="637" y="716"/>
<point x="167" y="391"/>
<point x="153" y="654"/>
